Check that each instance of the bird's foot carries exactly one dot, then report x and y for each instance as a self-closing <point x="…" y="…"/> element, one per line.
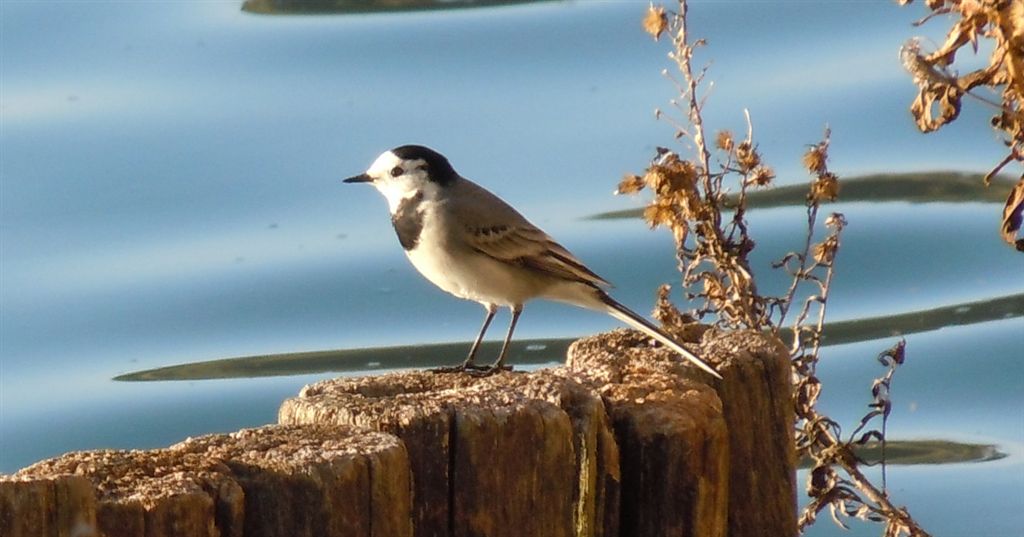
<point x="464" y="367"/>
<point x="489" y="370"/>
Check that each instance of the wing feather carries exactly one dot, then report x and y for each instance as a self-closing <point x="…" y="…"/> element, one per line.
<point x="495" y="229"/>
<point x="530" y="247"/>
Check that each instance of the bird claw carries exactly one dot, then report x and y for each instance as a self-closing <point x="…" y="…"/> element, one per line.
<point x="486" y="371"/>
<point x="448" y="369"/>
<point x="461" y="368"/>
<point x="472" y="369"/>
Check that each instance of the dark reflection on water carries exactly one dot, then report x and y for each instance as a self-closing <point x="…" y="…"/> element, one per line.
<point x="541" y="351"/>
<point x="341" y="7"/>
<point x="547" y="351"/>
<point x="924" y="187"/>
<point x="841" y="332"/>
<point x="907" y="452"/>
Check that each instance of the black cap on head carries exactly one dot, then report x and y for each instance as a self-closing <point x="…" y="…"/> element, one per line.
<point x="438" y="168"/>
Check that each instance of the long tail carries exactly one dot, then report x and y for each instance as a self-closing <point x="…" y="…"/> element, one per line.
<point x="631" y="318"/>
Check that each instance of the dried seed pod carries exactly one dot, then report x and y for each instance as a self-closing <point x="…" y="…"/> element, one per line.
<point x="655" y="22"/>
<point x="825" y="188"/>
<point x="747" y="157"/>
<point x="724" y="141"/>
<point x="630" y="184"/>
<point x="761" y="176"/>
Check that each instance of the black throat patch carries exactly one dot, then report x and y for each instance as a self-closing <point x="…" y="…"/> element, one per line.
<point x="408" y="221"/>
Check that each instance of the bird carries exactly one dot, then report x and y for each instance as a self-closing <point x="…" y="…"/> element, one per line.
<point x="472" y="244"/>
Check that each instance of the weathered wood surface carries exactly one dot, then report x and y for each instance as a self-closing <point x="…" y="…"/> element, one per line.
<point x="271" y="481"/>
<point x="53" y="506"/>
<point x="624" y="440"/>
<point x="511" y="454"/>
<point x="757" y="400"/>
<point x="671" y="433"/>
<point x="753" y="429"/>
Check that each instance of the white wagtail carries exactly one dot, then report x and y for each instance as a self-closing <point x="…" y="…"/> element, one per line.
<point x="470" y="243"/>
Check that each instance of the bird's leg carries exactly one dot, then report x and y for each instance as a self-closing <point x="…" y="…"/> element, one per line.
<point x="499" y="364"/>
<point x="469" y="362"/>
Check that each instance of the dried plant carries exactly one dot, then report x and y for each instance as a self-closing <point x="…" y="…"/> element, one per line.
<point x="940" y="89"/>
<point x="713" y="243"/>
<point x="689" y="196"/>
<point x="835" y="481"/>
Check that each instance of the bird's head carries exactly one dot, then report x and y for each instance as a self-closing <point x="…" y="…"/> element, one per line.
<point x="407" y="171"/>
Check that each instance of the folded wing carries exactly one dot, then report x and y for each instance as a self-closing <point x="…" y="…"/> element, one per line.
<point x="504" y="234"/>
<point x="528" y="246"/>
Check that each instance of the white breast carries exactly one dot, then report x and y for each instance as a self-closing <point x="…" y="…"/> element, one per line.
<point x="450" y="264"/>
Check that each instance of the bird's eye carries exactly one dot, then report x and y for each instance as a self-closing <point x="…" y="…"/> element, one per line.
<point x="396" y="171"/>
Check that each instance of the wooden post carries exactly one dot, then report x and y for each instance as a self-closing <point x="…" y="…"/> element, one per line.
<point x="625" y="440"/>
<point x="751" y="440"/>
<point x="757" y="401"/>
<point x="271" y="481"/>
<point x="671" y="434"/>
<point x="490" y="456"/>
<point x="51" y="506"/>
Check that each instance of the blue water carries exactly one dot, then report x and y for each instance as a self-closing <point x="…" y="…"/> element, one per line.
<point x="170" y="192"/>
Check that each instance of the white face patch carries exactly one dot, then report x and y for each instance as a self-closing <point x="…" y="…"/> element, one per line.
<point x="406" y="184"/>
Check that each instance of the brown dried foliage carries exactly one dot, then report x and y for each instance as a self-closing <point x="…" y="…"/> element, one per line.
<point x="940" y="89"/>
<point x="688" y="197"/>
<point x="655" y="22"/>
<point x="712" y="249"/>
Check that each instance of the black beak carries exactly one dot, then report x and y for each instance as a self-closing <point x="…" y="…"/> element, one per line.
<point x="361" y="178"/>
